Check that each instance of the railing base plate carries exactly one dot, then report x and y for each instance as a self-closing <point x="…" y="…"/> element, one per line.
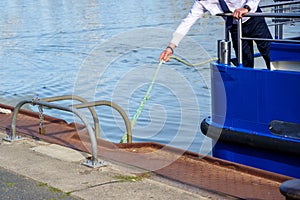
<point x="94" y="164"/>
<point x="9" y="138"/>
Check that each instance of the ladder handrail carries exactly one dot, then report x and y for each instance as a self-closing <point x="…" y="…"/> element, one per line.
<point x="116" y="107"/>
<point x="90" y="106"/>
<point x="92" y="136"/>
<point x="82" y="100"/>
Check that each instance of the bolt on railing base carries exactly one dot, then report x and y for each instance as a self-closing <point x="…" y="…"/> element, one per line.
<point x="10" y="138"/>
<point x="94" y="163"/>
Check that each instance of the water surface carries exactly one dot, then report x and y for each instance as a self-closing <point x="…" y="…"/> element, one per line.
<point x="108" y="50"/>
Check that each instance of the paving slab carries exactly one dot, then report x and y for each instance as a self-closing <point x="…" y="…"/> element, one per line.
<point x="15" y="186"/>
<point x="41" y="163"/>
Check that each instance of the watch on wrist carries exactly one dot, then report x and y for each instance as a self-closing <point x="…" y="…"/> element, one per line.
<point x="168" y="47"/>
<point x="247" y="7"/>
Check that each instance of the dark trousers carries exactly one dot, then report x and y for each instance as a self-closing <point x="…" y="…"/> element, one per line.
<point x="255" y="27"/>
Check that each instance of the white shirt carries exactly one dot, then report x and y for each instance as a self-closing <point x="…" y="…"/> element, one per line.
<point x="212" y="6"/>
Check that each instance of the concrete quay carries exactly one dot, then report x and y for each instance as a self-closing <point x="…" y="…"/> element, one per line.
<point x="33" y="169"/>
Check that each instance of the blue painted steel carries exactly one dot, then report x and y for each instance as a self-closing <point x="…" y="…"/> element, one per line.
<point x="280" y="163"/>
<point x="284" y="52"/>
<point x="247" y="100"/>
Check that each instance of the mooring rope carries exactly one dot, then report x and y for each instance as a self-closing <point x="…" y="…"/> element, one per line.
<point x="146" y="97"/>
<point x="142" y="104"/>
<point x="190" y="64"/>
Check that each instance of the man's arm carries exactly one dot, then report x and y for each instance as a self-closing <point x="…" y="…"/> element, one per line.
<point x="195" y="13"/>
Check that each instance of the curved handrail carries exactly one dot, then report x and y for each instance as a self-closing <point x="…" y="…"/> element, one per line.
<point x="264" y="14"/>
<point x="239" y="28"/>
<point x="116" y="107"/>
<point x="279" y="4"/>
<point x="93" y="140"/>
<point x="82" y="100"/>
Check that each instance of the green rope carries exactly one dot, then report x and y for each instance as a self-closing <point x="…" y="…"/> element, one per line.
<point x="146" y="97"/>
<point x="142" y="104"/>
<point x="192" y="65"/>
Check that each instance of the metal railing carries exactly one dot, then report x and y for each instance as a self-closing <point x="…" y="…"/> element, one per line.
<point x="82" y="100"/>
<point x="272" y="15"/>
<point x="93" y="162"/>
<point x="90" y="106"/>
<point x="117" y="108"/>
<point x="282" y="7"/>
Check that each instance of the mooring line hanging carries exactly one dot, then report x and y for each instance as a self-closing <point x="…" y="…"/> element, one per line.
<point x="146" y="97"/>
<point x="256" y="55"/>
<point x="142" y="104"/>
<point x="190" y="64"/>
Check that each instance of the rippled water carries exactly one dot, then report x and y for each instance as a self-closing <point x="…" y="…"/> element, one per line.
<point x="108" y="50"/>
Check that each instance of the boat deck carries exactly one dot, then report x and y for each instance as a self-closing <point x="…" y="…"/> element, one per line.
<point x="187" y="168"/>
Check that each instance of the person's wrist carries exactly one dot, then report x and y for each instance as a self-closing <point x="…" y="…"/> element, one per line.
<point x="247" y="7"/>
<point x="172" y="50"/>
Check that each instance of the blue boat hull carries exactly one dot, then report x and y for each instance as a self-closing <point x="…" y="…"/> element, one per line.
<point x="267" y="153"/>
<point x="256" y="117"/>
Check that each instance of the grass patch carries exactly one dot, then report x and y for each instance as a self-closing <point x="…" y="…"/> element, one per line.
<point x="124" y="178"/>
<point x="9" y="184"/>
<point x="68" y="193"/>
<point x="43" y="185"/>
<point x="54" y="190"/>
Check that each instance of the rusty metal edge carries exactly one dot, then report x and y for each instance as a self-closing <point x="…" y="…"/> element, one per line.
<point x="192" y="155"/>
<point x="157" y="146"/>
<point x="216" y="161"/>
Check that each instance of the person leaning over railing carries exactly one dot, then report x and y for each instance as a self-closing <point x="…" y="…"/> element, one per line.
<point x="254" y="27"/>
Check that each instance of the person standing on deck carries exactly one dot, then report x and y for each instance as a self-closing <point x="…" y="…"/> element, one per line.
<point x="254" y="27"/>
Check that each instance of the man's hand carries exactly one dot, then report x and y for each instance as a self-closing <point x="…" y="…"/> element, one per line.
<point x="165" y="55"/>
<point x="238" y="13"/>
